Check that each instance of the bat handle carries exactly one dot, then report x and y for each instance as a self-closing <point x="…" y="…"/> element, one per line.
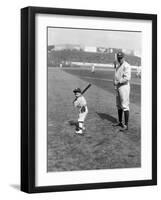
<point x="74" y="100"/>
<point x="115" y="63"/>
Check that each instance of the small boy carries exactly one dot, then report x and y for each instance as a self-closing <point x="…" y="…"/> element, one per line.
<point x="81" y="103"/>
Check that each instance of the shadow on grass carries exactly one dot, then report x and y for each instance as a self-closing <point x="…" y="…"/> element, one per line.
<point x="105" y="116"/>
<point x="73" y="123"/>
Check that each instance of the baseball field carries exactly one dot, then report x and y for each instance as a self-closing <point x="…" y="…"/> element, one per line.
<point x="102" y="146"/>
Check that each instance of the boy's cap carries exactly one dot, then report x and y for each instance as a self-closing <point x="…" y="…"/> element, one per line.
<point x="77" y="90"/>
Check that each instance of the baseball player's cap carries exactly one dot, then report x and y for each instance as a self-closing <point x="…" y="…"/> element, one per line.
<point x="77" y="90"/>
<point x="120" y="54"/>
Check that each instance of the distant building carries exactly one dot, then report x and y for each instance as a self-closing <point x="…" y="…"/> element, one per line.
<point x="50" y="47"/>
<point x="102" y="50"/>
<point x="128" y="51"/>
<point x="60" y="47"/>
<point x="114" y="50"/>
<point x="137" y="53"/>
<point x="90" y="49"/>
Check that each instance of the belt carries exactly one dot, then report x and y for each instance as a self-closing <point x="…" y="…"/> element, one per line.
<point x="121" y="84"/>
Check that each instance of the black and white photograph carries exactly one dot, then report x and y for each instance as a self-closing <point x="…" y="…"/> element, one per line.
<point x="90" y="79"/>
<point x="94" y="99"/>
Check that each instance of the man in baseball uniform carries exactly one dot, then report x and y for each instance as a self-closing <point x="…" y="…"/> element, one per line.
<point x="122" y="86"/>
<point x="93" y="68"/>
<point x="80" y="103"/>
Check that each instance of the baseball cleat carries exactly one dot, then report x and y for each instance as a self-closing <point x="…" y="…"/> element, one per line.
<point x="79" y="132"/>
<point x="118" y="124"/>
<point x="124" y="128"/>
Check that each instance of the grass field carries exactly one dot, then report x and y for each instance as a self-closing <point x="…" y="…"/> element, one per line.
<point x="102" y="146"/>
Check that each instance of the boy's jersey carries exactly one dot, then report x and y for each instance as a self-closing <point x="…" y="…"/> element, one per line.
<point x="80" y="102"/>
<point x="123" y="73"/>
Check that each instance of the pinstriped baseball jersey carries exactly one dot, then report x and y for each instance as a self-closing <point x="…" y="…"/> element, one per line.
<point x="123" y="73"/>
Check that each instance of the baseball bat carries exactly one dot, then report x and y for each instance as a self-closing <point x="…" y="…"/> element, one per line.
<point x="115" y="65"/>
<point x="85" y="89"/>
<point x="115" y="61"/>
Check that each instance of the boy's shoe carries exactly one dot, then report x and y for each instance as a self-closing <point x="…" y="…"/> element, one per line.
<point x="118" y="124"/>
<point x="79" y="132"/>
<point x="124" y="129"/>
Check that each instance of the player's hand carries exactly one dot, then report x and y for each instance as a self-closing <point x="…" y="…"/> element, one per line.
<point x="115" y="82"/>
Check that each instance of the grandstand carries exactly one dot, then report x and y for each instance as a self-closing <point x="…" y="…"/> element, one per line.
<point x="69" y="56"/>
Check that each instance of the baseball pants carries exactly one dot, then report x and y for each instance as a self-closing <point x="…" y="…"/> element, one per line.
<point x="82" y="116"/>
<point x="122" y="97"/>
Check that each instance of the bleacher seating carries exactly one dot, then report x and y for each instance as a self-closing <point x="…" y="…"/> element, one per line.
<point x="68" y="56"/>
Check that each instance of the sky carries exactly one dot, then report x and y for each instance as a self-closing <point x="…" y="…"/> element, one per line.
<point x="103" y="38"/>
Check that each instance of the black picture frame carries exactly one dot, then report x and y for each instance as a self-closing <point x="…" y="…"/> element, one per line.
<point x="28" y="91"/>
